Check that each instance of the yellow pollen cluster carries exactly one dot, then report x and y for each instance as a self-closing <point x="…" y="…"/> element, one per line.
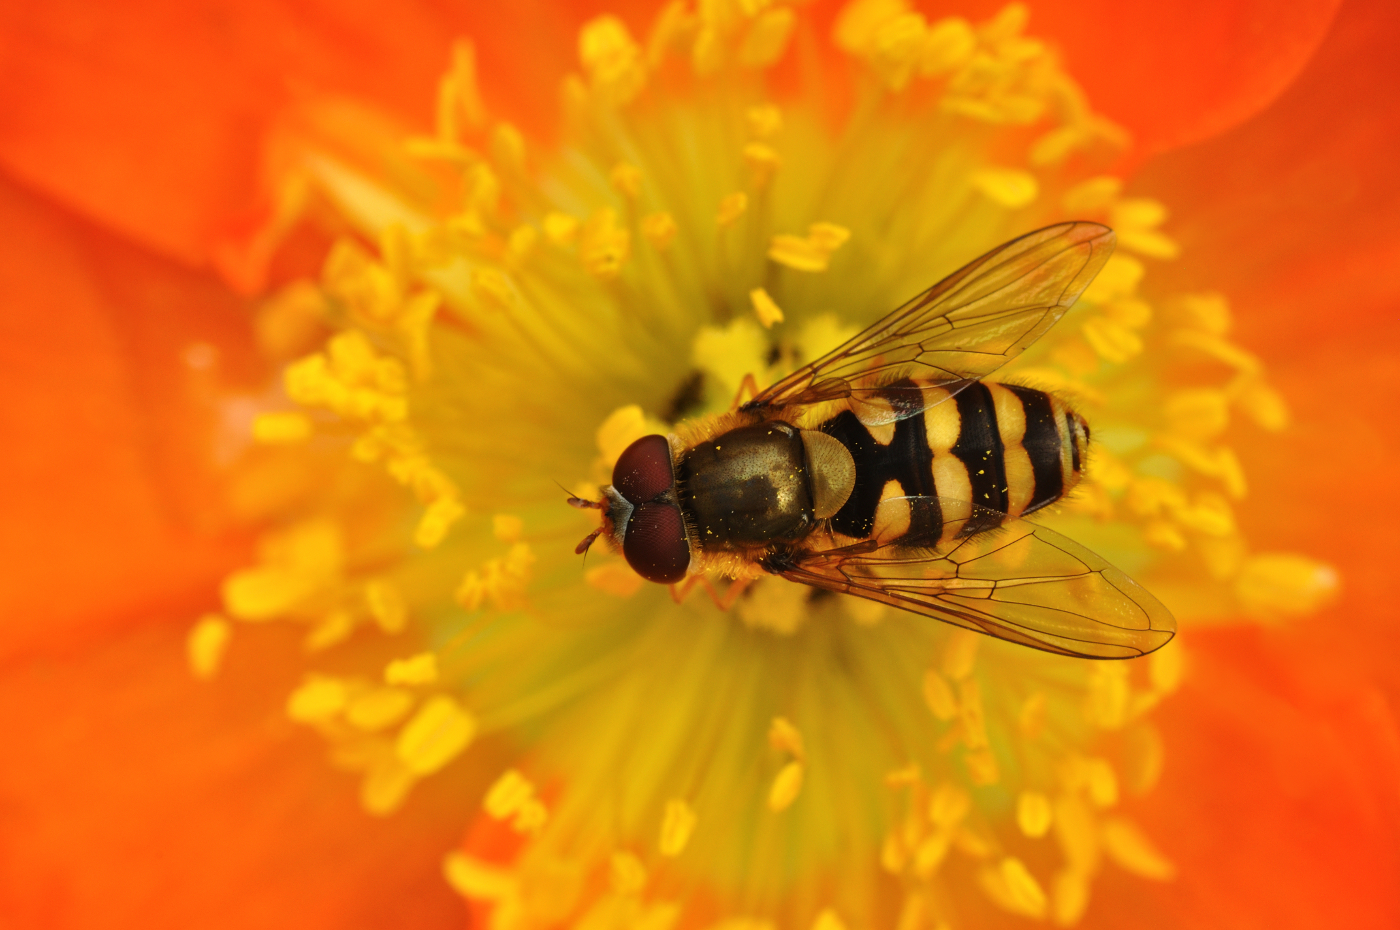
<point x="506" y="320"/>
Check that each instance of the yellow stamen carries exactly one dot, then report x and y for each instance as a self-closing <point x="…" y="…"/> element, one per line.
<point x="281" y="428"/>
<point x="206" y="645"/>
<point x="767" y="311"/>
<point x="421" y="669"/>
<point x="438" y="732"/>
<point x="677" y="824"/>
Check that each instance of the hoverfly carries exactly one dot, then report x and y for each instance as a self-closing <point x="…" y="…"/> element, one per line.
<point x="889" y="470"/>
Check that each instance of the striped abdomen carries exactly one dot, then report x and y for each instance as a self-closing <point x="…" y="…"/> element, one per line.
<point x="1009" y="450"/>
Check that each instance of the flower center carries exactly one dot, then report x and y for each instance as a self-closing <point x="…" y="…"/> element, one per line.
<point x="504" y="318"/>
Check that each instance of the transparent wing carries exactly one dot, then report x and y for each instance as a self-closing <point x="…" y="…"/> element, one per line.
<point x="964" y="327"/>
<point x="1021" y="582"/>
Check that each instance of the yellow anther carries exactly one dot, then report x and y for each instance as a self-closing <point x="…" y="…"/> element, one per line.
<point x="514" y="796"/>
<point x="1283" y="584"/>
<point x="707" y="53"/>
<point x="385" y="786"/>
<point x="1101" y="782"/>
<point x="492" y="289"/>
<point x="1137" y="212"/>
<point x="1130" y="312"/>
<point x="1210" y="514"/>
<point x="960" y="654"/>
<point x="810" y="253"/>
<point x="603" y="245"/>
<point x="378" y="708"/>
<point x="938" y="696"/>
<point x="290" y="322"/>
<point x="611" y="59"/>
<point x="1077" y="833"/>
<point x="897" y="47"/>
<point x="903" y="777"/>
<point x="508" y="147"/>
<point x="267" y="592"/>
<point x="1112" y="341"/>
<point x="731" y="207"/>
<point x="386" y="605"/>
<point x="1092" y="196"/>
<point x="1119" y="278"/>
<point x="948" y="805"/>
<point x="1032" y="715"/>
<point x="1149" y="496"/>
<point x="561" y="228"/>
<point x="1021" y="893"/>
<point x="1128" y="846"/>
<point x="930" y="853"/>
<point x="438" y="732"/>
<point x="1149" y="242"/>
<point x="614" y="578"/>
<point x="332" y="629"/>
<point x="421" y="669"/>
<point x="973" y="717"/>
<point x="282" y="427"/>
<point x="476" y="880"/>
<point x="459" y="97"/>
<point x="1208" y="312"/>
<point x="437" y="519"/>
<point x="1164" y="535"/>
<point x="798" y="253"/>
<point x="626" y="873"/>
<point x="1069" y="897"/>
<point x="1264" y="405"/>
<point x="829" y="236"/>
<point x="764" y="308"/>
<point x="1166" y="668"/>
<point x="787" y="784"/>
<point x="763" y="162"/>
<point x="626" y="179"/>
<point x="1220" y="349"/>
<point x="948" y="45"/>
<point x="1197" y="413"/>
<point x="508" y="528"/>
<point x="677" y="824"/>
<point x="859" y="20"/>
<point x="1033" y="813"/>
<point x="659" y="229"/>
<point x="1106" y="701"/>
<point x="521" y="242"/>
<point x="763" y="120"/>
<point x="206" y="644"/>
<point x="317" y="700"/>
<point x="982" y="767"/>
<point x="785" y="737"/>
<point x="827" y="919"/>
<point x="767" y="38"/>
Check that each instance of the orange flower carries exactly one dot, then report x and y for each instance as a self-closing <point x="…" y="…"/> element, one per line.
<point x="141" y="157"/>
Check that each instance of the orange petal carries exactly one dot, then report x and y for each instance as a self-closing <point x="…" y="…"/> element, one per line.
<point x="115" y="362"/>
<point x="150" y="116"/>
<point x="1280" y="802"/>
<point x="1293" y="214"/>
<point x="137" y="798"/>
<point x="1177" y="73"/>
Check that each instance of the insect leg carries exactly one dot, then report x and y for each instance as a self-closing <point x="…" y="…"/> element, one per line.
<point x="731" y="595"/>
<point x="749" y="386"/>
<point x="681" y="589"/>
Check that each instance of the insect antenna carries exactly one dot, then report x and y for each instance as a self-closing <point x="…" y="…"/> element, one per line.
<point x="582" y="548"/>
<point x="575" y="501"/>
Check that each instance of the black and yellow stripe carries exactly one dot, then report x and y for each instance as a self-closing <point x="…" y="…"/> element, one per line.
<point x="1009" y="450"/>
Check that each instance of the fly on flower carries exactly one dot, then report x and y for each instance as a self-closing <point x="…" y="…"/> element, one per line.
<point x="890" y="470"/>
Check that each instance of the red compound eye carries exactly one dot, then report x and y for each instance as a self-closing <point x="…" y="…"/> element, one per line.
<point x="644" y="469"/>
<point x="655" y="545"/>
